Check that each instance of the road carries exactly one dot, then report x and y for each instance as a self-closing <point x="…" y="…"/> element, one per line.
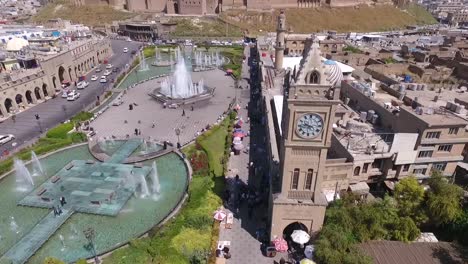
<point x="26" y="127"/>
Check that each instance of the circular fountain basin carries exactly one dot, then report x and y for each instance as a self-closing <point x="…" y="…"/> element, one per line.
<point x="135" y="218"/>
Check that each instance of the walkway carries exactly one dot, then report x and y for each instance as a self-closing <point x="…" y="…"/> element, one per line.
<point x="244" y="245"/>
<point x="33" y="240"/>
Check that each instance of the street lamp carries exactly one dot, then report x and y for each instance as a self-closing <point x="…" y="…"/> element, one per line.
<point x="64" y="108"/>
<point x="177" y="132"/>
<point x="90" y="234"/>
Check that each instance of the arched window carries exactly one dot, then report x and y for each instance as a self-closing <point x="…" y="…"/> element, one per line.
<point x="357" y="171"/>
<point x="295" y="179"/>
<point x="294" y="44"/>
<point x="314" y="77"/>
<point x="308" y="184"/>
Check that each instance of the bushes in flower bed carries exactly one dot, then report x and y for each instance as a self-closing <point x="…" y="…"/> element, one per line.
<point x="60" y="131"/>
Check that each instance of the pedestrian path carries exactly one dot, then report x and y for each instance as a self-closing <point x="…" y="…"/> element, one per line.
<point x="33" y="240"/>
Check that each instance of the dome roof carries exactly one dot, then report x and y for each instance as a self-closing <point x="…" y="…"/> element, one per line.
<point x="16" y="44"/>
<point x="335" y="76"/>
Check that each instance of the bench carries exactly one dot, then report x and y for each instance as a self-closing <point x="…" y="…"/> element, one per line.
<point x="45" y="199"/>
<point x="96" y="202"/>
<point x="55" y="179"/>
<point x="69" y="166"/>
<point x="41" y="191"/>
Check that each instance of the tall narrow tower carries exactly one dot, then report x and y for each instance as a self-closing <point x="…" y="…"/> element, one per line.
<point x="280" y="46"/>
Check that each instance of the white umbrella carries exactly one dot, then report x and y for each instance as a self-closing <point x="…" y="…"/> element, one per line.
<point x="219" y="215"/>
<point x="309" y="251"/>
<point x="238" y="146"/>
<point x="300" y="237"/>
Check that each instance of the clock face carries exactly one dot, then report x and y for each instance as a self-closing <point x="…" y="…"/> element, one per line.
<point x="309" y="125"/>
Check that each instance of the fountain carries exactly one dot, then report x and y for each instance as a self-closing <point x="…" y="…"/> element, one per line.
<point x="22" y="173"/>
<point x="13" y="225"/>
<point x="180" y="84"/>
<point x="74" y="232"/>
<point x="143" y="64"/>
<point x="62" y="240"/>
<point x="144" y="187"/>
<point x="155" y="179"/>
<point x="37" y="166"/>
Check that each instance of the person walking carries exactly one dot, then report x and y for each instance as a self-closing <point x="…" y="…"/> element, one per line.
<point x="183" y="112"/>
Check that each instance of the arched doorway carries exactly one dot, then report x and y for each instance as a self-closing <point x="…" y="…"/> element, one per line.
<point x="19" y="99"/>
<point x="61" y="70"/>
<point x="44" y="90"/>
<point x="289" y="229"/>
<point x="8" y="105"/>
<point x="54" y="80"/>
<point x="29" y="98"/>
<point x="37" y="93"/>
<point x="97" y="55"/>
<point x="70" y="74"/>
<point x="79" y="68"/>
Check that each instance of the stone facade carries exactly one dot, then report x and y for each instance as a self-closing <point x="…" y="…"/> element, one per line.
<point x="29" y="87"/>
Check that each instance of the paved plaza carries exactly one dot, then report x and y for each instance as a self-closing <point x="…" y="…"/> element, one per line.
<point x="119" y="121"/>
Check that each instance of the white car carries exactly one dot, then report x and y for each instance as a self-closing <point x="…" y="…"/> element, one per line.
<point x="125" y="50"/>
<point x="65" y="94"/>
<point x="117" y="102"/>
<point x="6" y="138"/>
<point x="109" y="66"/>
<point x="106" y="73"/>
<point x="103" y="79"/>
<point x="94" y="78"/>
<point x="82" y="85"/>
<point x="73" y="95"/>
<point x="98" y="69"/>
<point x="129" y="40"/>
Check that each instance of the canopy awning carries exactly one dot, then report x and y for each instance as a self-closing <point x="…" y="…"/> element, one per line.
<point x="359" y="188"/>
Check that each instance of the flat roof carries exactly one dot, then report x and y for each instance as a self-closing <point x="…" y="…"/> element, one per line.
<point x="290" y="62"/>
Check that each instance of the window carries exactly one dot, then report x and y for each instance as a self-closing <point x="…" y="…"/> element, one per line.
<point x="309" y="177"/>
<point x="314" y="77"/>
<point x="357" y="170"/>
<point x="406" y="167"/>
<point x="446" y="148"/>
<point x="427" y="145"/>
<point x="419" y="171"/>
<point x="365" y="167"/>
<point x="453" y="131"/>
<point x="439" y="166"/>
<point x="295" y="179"/>
<point x="433" y="134"/>
<point x="425" y="154"/>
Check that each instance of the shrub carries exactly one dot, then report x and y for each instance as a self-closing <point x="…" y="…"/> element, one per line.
<point x="50" y="260"/>
<point x="60" y="131"/>
<point x="82" y="116"/>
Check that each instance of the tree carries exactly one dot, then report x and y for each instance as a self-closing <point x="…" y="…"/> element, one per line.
<point x="444" y="200"/>
<point x="405" y="230"/>
<point x="409" y="195"/>
<point x="51" y="260"/>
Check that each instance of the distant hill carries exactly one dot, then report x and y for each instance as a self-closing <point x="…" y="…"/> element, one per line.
<point x="358" y="19"/>
<point x="91" y="15"/>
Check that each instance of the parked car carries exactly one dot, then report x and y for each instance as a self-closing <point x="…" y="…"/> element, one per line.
<point x="103" y="79"/>
<point x="173" y="106"/>
<point x="82" y="85"/>
<point x="109" y="66"/>
<point x="106" y="73"/>
<point x="94" y="78"/>
<point x="6" y="138"/>
<point x="117" y="102"/>
<point x="98" y="70"/>
<point x="115" y="69"/>
<point x="133" y="52"/>
<point x="125" y="50"/>
<point x="65" y="94"/>
<point x="73" y="95"/>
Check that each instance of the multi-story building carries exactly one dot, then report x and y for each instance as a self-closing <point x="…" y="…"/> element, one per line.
<point x="328" y="132"/>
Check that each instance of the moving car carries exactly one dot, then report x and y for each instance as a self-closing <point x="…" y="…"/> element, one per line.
<point x="109" y="66"/>
<point x="106" y="73"/>
<point x="6" y="138"/>
<point x="98" y="70"/>
<point x="82" y="85"/>
<point x="94" y="78"/>
<point x="73" y="95"/>
<point x="103" y="79"/>
<point x="117" y="102"/>
<point x="125" y="50"/>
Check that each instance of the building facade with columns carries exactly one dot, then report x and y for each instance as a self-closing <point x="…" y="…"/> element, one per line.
<point x="21" y="88"/>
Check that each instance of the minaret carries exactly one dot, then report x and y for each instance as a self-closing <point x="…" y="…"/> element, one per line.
<point x="280" y="46"/>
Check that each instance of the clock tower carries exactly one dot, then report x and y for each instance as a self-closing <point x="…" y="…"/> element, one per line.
<point x="308" y="112"/>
